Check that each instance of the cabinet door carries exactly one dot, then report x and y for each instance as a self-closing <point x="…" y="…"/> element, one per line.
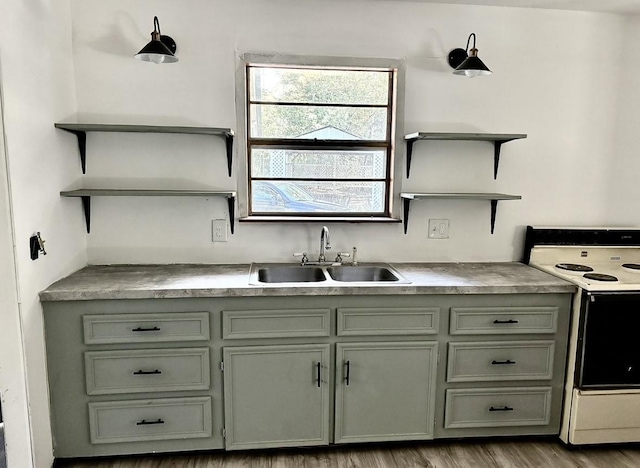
<point x="385" y="391"/>
<point x="276" y="396"/>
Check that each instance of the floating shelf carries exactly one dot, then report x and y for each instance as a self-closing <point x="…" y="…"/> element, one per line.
<point x="80" y="131"/>
<point x="493" y="197"/>
<point x="86" y="194"/>
<point x="497" y="138"/>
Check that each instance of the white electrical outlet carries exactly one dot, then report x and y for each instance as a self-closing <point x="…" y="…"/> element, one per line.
<point x="438" y="229"/>
<point x="219" y="230"/>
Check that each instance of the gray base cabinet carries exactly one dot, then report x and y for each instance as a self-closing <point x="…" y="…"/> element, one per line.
<point x="385" y="391"/>
<point x="276" y="396"/>
<point x="171" y="375"/>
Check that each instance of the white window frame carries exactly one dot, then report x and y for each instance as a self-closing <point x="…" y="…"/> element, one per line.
<point x="397" y="147"/>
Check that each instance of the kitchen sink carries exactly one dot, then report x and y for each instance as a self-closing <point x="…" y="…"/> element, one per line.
<point x="290" y="274"/>
<point x="324" y="275"/>
<point x="362" y="273"/>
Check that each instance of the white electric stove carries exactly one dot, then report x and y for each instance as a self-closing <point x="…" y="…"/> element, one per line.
<point x="602" y="385"/>
<point x="592" y="268"/>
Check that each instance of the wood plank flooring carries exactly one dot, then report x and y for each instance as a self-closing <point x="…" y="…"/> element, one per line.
<point x="458" y="454"/>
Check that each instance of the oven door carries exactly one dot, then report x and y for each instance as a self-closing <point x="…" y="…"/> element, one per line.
<point x="609" y="341"/>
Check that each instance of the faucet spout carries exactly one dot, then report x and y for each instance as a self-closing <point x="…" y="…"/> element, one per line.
<point x="325" y="243"/>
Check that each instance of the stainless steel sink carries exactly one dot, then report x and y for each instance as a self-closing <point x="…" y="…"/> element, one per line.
<point x="362" y="274"/>
<point x="324" y="275"/>
<point x="290" y="274"/>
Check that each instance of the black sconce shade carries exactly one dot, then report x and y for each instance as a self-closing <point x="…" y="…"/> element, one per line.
<point x="161" y="49"/>
<point x="468" y="64"/>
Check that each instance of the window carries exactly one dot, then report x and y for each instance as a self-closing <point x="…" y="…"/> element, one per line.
<point x="319" y="140"/>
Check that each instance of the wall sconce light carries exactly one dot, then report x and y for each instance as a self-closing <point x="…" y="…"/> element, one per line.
<point x="468" y="64"/>
<point x="160" y="49"/>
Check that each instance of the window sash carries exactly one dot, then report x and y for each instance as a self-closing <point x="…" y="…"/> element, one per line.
<point x="323" y="144"/>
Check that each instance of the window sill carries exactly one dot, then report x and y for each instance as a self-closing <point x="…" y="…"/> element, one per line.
<point x="319" y="219"/>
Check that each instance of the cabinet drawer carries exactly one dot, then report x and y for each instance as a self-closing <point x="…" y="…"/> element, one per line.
<point x="153" y="370"/>
<point x="506" y="360"/>
<point x="146" y="420"/>
<point x="144" y="328"/>
<point x="246" y="324"/>
<point x="502" y="320"/>
<point x="497" y="407"/>
<point x="388" y="321"/>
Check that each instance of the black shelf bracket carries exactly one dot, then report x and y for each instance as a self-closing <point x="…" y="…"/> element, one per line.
<point x="409" y="153"/>
<point x="494" y="208"/>
<point x="405" y="205"/>
<point x="228" y="138"/>
<point x="497" y="145"/>
<point x="82" y="146"/>
<point x="231" y="201"/>
<point x="86" y="206"/>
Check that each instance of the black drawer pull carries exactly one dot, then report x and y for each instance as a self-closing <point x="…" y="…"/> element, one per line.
<point x="505" y="321"/>
<point x="142" y="372"/>
<point x="508" y="361"/>
<point x="144" y="422"/>
<point x="147" y="329"/>
<point x="500" y="408"/>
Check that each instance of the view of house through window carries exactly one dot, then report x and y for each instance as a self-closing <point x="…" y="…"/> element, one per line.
<point x="319" y="140"/>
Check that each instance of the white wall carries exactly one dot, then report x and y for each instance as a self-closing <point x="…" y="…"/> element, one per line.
<point x="555" y="78"/>
<point x="623" y="179"/>
<point x="38" y="84"/>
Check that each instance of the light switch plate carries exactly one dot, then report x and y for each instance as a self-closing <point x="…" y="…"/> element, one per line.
<point x="438" y="229"/>
<point x="219" y="230"/>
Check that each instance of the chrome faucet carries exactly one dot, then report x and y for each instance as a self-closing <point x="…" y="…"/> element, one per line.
<point x="325" y="243"/>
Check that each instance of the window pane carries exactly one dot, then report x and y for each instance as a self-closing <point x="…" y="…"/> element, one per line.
<point x="330" y="123"/>
<point x="319" y="86"/>
<point x="318" y="164"/>
<point x="317" y="197"/>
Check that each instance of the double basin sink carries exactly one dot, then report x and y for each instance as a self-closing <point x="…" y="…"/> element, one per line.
<point x="325" y="275"/>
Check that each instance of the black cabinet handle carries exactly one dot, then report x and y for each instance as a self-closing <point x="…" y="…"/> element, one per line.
<point x="508" y="361"/>
<point x="500" y="408"/>
<point x="318" y="369"/>
<point x="505" y="321"/>
<point x="153" y="372"/>
<point x="147" y="329"/>
<point x="347" y="373"/>
<point x="144" y="422"/>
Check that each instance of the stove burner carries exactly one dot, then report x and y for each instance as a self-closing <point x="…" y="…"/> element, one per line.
<point x="631" y="266"/>
<point x="573" y="267"/>
<point x="600" y="277"/>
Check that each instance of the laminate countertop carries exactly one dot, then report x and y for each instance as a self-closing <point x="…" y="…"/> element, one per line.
<point x="198" y="280"/>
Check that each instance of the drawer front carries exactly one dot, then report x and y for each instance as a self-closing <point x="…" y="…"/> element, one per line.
<point x="497" y="407"/>
<point x="147" y="420"/>
<point x="502" y="320"/>
<point x="494" y="361"/>
<point x="154" y="370"/>
<point x="146" y="328"/>
<point x="247" y="324"/>
<point x="388" y="321"/>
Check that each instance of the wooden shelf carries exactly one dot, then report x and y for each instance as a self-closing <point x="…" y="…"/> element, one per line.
<point x="86" y="194"/>
<point x="492" y="197"/>
<point x="80" y="131"/>
<point x="496" y="138"/>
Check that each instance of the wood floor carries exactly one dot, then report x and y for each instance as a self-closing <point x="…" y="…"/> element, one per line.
<point x="503" y="454"/>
